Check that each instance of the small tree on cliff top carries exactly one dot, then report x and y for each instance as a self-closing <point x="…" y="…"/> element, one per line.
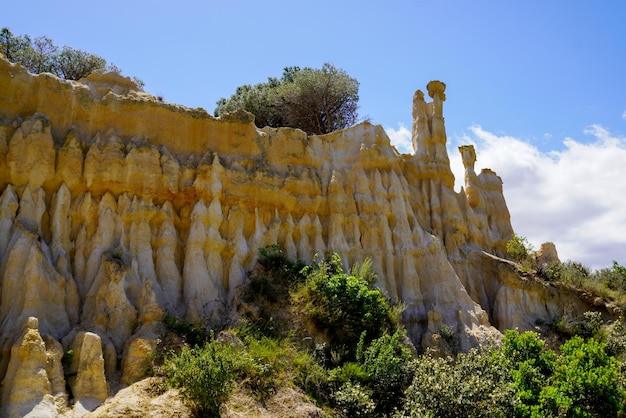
<point x="42" y="56"/>
<point x="317" y="101"/>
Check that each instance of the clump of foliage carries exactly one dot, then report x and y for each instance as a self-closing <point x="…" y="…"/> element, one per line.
<point x="607" y="283"/>
<point x="318" y="101"/>
<point x="387" y="364"/>
<point x="267" y="292"/>
<point x="520" y="250"/>
<point x="344" y="306"/>
<point x="358" y="369"/>
<point x="588" y="325"/>
<point x="193" y="334"/>
<point x="41" y="55"/>
<point x="522" y="378"/>
<point x="475" y="384"/>
<point x="204" y="375"/>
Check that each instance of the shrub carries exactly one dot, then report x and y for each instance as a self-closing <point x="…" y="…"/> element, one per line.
<point x="585" y="382"/>
<point x="267" y="292"/>
<point x="387" y="364"/>
<point x="343" y="306"/>
<point x="520" y="250"/>
<point x="273" y="362"/>
<point x="205" y="376"/>
<point x="193" y="334"/>
<point x="530" y="364"/>
<point x="352" y="400"/>
<point x="476" y="384"/>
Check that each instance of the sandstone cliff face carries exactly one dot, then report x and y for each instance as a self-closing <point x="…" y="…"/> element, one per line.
<point x="115" y="208"/>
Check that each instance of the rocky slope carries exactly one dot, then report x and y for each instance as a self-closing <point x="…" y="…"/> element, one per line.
<point x="116" y="207"/>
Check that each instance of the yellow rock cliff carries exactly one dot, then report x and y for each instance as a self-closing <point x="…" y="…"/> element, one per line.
<point x="116" y="207"/>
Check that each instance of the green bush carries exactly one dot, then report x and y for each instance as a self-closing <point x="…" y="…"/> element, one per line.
<point x="520" y="250"/>
<point x="268" y="290"/>
<point x="347" y="372"/>
<point x="343" y="306"/>
<point x="475" y="384"/>
<point x="192" y="334"/>
<point x="353" y="400"/>
<point x="589" y="324"/>
<point x="585" y="382"/>
<point x="271" y="362"/>
<point x="205" y="376"/>
<point x="530" y="364"/>
<point x="387" y="364"/>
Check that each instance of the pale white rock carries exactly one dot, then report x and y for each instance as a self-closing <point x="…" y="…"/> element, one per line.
<point x="107" y="309"/>
<point x="32" y="287"/>
<point x="32" y="209"/>
<point x="202" y="291"/>
<point x="167" y="269"/>
<point x="8" y="209"/>
<point x="111" y="229"/>
<point x="142" y="345"/>
<point x="27" y="389"/>
<point x="88" y="382"/>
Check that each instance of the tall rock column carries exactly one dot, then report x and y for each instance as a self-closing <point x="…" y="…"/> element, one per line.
<point x="32" y="378"/>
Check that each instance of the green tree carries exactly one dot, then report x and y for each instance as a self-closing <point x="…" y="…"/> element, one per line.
<point x="585" y="382"/>
<point x="321" y="101"/>
<point x="386" y="362"/>
<point x="12" y="46"/>
<point x="41" y="55"/>
<point x="261" y="100"/>
<point x="520" y="249"/>
<point x="317" y="101"/>
<point x="74" y="64"/>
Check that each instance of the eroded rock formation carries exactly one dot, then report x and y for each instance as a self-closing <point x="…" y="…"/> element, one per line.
<point x="116" y="207"/>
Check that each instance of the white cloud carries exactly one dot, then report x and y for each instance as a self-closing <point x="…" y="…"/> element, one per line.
<point x="575" y="198"/>
<point x="624" y="115"/>
<point x="401" y="138"/>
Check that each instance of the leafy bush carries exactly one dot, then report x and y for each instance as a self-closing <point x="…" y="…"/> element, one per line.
<point x="530" y="364"/>
<point x="476" y="384"/>
<point x="353" y="400"/>
<point x="587" y="325"/>
<point x="343" y="306"/>
<point x="282" y="270"/>
<point x="193" y="334"/>
<point x="205" y="376"/>
<point x="585" y="382"/>
<point x="269" y="289"/>
<point x="520" y="250"/>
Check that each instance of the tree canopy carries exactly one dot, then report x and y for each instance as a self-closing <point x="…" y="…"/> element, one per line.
<point x="318" y="101"/>
<point x="41" y="55"/>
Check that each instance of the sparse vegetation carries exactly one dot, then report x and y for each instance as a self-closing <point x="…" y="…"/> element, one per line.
<point x="606" y="283"/>
<point x="356" y="369"/>
<point x="41" y="55"/>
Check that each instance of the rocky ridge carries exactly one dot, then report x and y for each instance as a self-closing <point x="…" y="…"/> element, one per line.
<point x="116" y="207"/>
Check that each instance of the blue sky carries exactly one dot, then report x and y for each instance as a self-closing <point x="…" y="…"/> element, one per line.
<point x="526" y="82"/>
